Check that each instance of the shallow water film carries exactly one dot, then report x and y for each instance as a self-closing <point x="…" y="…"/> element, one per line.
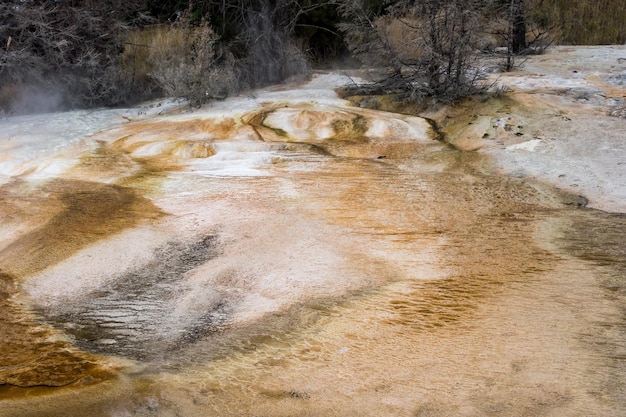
<point x="304" y="260"/>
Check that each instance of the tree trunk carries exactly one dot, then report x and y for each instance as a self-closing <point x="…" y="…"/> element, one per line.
<point x="517" y="27"/>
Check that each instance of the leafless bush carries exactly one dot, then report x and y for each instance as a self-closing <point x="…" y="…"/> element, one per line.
<point x="434" y="56"/>
<point x="81" y="50"/>
<point x="188" y="63"/>
<point x="366" y="35"/>
<point x="270" y="55"/>
<point x="67" y="48"/>
<point x="518" y="31"/>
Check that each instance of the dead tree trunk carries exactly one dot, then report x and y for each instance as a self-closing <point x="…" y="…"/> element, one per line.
<point x="517" y="27"/>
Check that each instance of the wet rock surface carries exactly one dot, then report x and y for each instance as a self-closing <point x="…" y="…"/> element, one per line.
<point x="129" y="316"/>
<point x="34" y="355"/>
<point x="304" y="258"/>
<point x="65" y="216"/>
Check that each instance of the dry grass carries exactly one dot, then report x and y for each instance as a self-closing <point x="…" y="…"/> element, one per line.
<point x="583" y="22"/>
<point x="180" y="60"/>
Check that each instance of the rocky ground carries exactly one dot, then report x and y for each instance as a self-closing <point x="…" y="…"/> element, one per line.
<point x="562" y="121"/>
<point x="287" y="253"/>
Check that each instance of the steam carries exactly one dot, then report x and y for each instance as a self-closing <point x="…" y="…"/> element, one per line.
<point x="32" y="99"/>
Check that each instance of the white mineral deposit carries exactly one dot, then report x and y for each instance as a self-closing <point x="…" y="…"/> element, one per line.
<point x="289" y="253"/>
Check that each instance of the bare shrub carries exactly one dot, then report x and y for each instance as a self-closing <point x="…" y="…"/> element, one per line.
<point x="519" y="31"/>
<point x="67" y="50"/>
<point x="365" y="34"/>
<point x="428" y="46"/>
<point x="271" y="55"/>
<point x="188" y="63"/>
<point x="189" y="60"/>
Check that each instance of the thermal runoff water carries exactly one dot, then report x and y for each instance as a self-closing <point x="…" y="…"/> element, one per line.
<point x="292" y="254"/>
